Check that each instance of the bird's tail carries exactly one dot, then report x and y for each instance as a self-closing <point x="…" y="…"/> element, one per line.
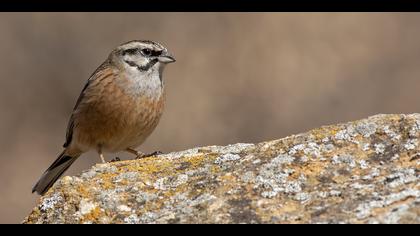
<point x="54" y="172"/>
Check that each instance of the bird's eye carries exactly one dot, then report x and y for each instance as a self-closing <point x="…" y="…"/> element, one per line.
<point x="146" y="52"/>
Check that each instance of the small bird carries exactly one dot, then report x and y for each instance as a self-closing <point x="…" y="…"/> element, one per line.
<point x="118" y="108"/>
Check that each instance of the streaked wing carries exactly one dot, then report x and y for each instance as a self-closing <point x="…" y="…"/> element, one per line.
<point x="100" y="72"/>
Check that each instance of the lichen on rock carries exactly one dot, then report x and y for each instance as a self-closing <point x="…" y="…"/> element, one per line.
<point x="365" y="171"/>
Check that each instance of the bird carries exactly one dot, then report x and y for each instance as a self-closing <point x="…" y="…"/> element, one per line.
<point x="117" y="109"/>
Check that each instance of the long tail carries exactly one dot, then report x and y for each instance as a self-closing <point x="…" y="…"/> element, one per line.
<point x="54" y="172"/>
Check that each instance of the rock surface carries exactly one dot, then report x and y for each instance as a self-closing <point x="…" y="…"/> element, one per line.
<point x="365" y="171"/>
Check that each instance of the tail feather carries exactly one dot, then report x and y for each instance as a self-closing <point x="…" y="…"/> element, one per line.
<point x="51" y="175"/>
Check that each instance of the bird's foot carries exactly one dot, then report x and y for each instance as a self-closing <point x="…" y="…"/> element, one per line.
<point x="115" y="160"/>
<point x="144" y="155"/>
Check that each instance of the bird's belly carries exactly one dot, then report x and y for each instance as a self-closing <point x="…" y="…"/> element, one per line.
<point x="114" y="125"/>
<point x="135" y="132"/>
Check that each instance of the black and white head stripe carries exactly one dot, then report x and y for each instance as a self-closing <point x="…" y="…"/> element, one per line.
<point x="144" y="42"/>
<point x="144" y="67"/>
<point x="143" y="54"/>
<point x="147" y="52"/>
<point x="136" y="46"/>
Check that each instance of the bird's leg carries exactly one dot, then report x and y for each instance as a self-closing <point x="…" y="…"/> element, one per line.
<point x="135" y="152"/>
<point x="140" y="155"/>
<point x="101" y="155"/>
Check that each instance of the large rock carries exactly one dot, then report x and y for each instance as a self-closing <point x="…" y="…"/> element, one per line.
<point x="360" y="172"/>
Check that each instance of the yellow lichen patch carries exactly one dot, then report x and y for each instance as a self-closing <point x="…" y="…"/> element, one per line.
<point x="107" y="185"/>
<point x="198" y="160"/>
<point x="173" y="192"/>
<point x="228" y="182"/>
<point x="92" y="216"/>
<point x="159" y="202"/>
<point x="83" y="191"/>
<point x="311" y="171"/>
<point x="106" y="180"/>
<point x="330" y="131"/>
<point x="31" y="219"/>
<point x="215" y="169"/>
<point x="322" y="132"/>
<point x="150" y="166"/>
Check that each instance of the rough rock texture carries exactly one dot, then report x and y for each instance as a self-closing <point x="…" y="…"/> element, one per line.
<point x="365" y="171"/>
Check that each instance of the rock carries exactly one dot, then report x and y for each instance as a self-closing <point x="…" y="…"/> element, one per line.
<point x="365" y="171"/>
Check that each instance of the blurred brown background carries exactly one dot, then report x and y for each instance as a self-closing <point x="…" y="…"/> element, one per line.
<point x="238" y="78"/>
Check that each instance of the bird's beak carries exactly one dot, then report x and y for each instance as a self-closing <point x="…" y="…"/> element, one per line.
<point x="166" y="58"/>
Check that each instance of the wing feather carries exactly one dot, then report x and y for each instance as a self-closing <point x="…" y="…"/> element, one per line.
<point x="98" y="74"/>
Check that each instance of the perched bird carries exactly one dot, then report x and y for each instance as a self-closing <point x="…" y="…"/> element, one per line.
<point x="118" y="108"/>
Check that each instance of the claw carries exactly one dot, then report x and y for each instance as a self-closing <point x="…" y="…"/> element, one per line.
<point x="115" y="159"/>
<point x="142" y="155"/>
<point x="156" y="153"/>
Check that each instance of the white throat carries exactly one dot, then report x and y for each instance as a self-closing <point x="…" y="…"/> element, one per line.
<point x="144" y="83"/>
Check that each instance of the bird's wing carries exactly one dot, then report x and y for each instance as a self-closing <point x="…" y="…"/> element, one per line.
<point x="103" y="70"/>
